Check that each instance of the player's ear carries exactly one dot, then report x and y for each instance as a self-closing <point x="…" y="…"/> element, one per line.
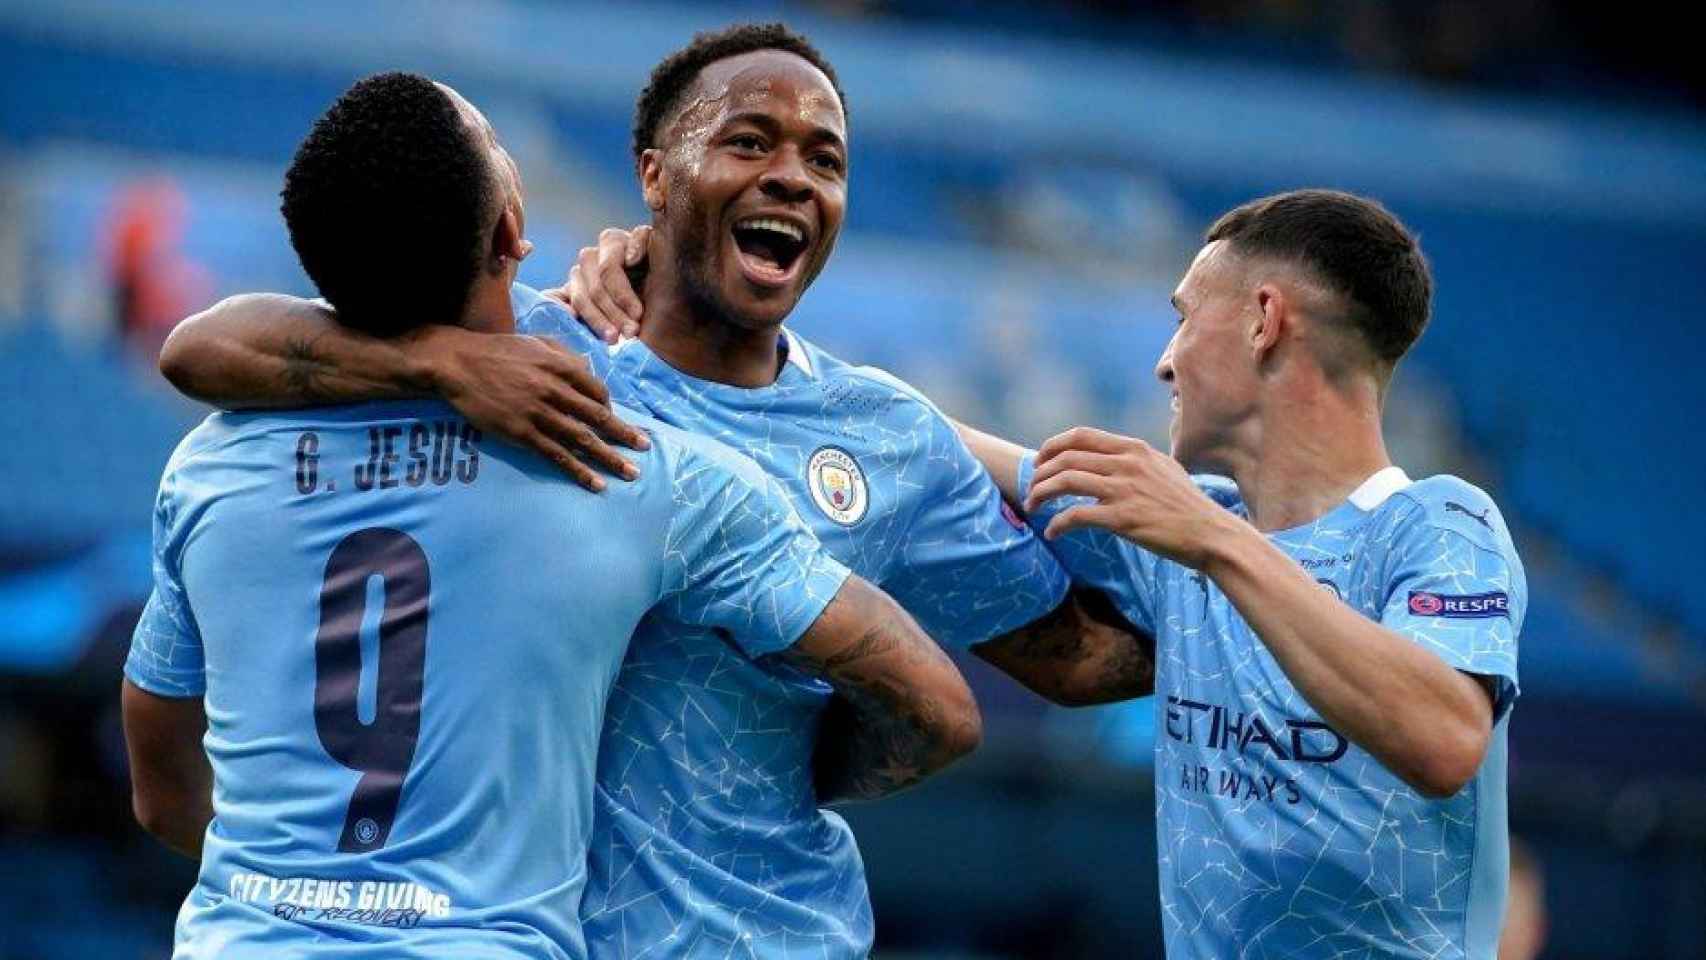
<point x="653" y="185"/>
<point x="1267" y="320"/>
<point x="507" y="241"/>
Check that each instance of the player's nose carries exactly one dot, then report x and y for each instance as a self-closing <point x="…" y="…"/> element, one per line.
<point x="786" y="177"/>
<point x="1164" y="366"/>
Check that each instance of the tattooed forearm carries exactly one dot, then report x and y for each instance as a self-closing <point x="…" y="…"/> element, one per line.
<point x="878" y="638"/>
<point x="870" y="747"/>
<point x="306" y="371"/>
<point x="901" y="710"/>
<point x="1083" y="653"/>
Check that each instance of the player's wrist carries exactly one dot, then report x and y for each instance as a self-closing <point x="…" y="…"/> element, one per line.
<point x="1229" y="543"/>
<point x="428" y="359"/>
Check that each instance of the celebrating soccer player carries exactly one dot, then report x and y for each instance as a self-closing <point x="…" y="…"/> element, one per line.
<point x="1336" y="643"/>
<point x="399" y="636"/>
<point x="710" y="833"/>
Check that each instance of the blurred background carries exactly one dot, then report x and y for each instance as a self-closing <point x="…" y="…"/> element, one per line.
<point x="1028" y="182"/>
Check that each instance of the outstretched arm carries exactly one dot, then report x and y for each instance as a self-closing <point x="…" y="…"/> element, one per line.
<point x="270" y="350"/>
<point x="901" y="711"/>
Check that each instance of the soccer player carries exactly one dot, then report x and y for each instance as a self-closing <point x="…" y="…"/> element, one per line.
<point x="1336" y="644"/>
<point x="396" y="638"/>
<point x="710" y="835"/>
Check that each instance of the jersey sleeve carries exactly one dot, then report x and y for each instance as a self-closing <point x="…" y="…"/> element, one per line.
<point x="739" y="559"/>
<point x="969" y="569"/>
<point x="1097" y="559"/>
<point x="1455" y="585"/>
<point x="165" y="649"/>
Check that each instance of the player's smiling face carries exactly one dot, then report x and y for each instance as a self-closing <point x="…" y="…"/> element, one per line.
<point x="1208" y="365"/>
<point x="751" y="183"/>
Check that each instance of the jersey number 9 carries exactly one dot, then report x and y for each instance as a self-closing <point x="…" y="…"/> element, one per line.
<point x="383" y="749"/>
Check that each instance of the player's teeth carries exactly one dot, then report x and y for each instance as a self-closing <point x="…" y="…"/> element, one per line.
<point x="777" y="226"/>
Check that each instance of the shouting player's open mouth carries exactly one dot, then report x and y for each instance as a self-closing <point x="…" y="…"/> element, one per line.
<point x="770" y="249"/>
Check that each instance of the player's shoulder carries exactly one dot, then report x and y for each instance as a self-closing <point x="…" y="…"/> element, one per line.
<point x="685" y="454"/>
<point x="1450" y="503"/>
<point x="540" y="316"/>
<point x="530" y="304"/>
<point x="863" y="385"/>
<point x="215" y="431"/>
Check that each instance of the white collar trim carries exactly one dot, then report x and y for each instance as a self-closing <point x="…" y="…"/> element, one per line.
<point x="797" y="353"/>
<point x="1377" y="488"/>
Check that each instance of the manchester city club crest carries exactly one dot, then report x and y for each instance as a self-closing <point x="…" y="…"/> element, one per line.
<point x="837" y="485"/>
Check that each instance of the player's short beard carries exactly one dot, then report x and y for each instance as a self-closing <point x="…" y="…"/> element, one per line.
<point x="696" y="254"/>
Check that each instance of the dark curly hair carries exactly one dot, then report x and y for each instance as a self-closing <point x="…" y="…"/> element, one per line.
<point x="1353" y="244"/>
<point x="676" y="72"/>
<point x="387" y="201"/>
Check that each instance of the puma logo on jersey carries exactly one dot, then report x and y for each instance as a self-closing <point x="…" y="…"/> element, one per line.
<point x="1480" y="518"/>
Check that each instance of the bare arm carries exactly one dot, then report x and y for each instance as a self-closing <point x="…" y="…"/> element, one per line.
<point x="259" y="350"/>
<point x="999" y="457"/>
<point x="1424" y="720"/>
<point x="1083" y="653"/>
<point x="901" y="712"/>
<point x="270" y="350"/>
<point x="171" y="783"/>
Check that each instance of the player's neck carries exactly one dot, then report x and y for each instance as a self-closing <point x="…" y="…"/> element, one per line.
<point x="695" y="339"/>
<point x="489" y="308"/>
<point x="1306" y="456"/>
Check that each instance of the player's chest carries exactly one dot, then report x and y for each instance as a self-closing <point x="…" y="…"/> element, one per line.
<point x="1203" y="637"/>
<point x="852" y="481"/>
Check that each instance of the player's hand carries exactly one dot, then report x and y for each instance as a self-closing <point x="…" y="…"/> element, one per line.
<point x="598" y="289"/>
<point x="1142" y="494"/>
<point x="533" y="392"/>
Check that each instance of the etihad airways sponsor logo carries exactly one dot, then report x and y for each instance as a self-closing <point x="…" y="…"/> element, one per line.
<point x="1217" y="727"/>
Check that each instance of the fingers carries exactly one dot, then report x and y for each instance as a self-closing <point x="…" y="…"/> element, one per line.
<point x="573" y="294"/>
<point x="576" y="373"/>
<point x="600" y="419"/>
<point x="1070" y="483"/>
<point x="574" y="435"/>
<point x="1078" y="518"/>
<point x="555" y="452"/>
<point x="617" y="251"/>
<point x="591" y="299"/>
<point x="1104" y="464"/>
<point x="1086" y="438"/>
<point x="638" y="240"/>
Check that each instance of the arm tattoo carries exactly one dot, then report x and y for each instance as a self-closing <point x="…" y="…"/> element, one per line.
<point x="877" y="735"/>
<point x="1083" y="653"/>
<point x="305" y="368"/>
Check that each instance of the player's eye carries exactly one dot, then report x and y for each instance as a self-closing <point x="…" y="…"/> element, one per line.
<point x="747" y="141"/>
<point x="827" y="161"/>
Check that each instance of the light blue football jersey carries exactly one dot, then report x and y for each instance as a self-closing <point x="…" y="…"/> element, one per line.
<point x="405" y="637"/>
<point x="1277" y="836"/>
<point x="708" y="838"/>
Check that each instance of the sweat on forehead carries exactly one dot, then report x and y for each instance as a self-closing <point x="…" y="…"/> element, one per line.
<point x="753" y="79"/>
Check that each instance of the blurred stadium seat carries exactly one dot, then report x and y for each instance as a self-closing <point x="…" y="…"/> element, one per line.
<point x="1014" y="196"/>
